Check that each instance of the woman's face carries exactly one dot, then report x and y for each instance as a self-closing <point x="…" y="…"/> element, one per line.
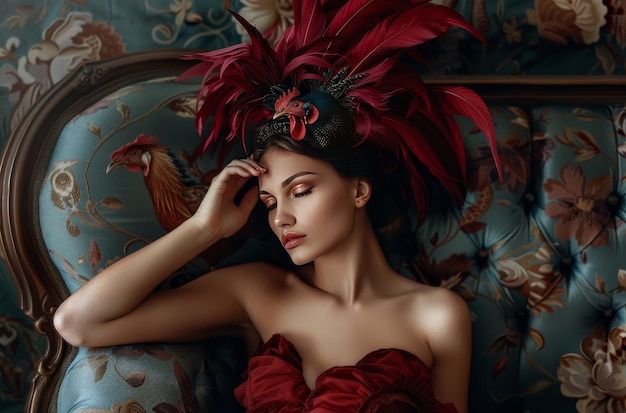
<point x="311" y="207"/>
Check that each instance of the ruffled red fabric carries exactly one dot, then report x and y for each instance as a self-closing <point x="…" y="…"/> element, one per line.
<point x="382" y="379"/>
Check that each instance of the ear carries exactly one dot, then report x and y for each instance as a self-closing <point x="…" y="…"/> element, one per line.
<point x="363" y="192"/>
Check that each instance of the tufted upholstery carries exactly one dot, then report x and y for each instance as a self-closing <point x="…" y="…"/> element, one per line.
<point x="538" y="255"/>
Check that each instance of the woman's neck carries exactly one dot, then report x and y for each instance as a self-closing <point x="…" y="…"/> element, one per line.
<point x="353" y="272"/>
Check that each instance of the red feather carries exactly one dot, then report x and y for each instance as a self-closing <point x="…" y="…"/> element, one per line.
<point x="391" y="105"/>
<point x="309" y="18"/>
<point x="463" y="101"/>
<point x="356" y="17"/>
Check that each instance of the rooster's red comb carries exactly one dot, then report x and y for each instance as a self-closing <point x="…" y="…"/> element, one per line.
<point x="285" y="98"/>
<point x="141" y="139"/>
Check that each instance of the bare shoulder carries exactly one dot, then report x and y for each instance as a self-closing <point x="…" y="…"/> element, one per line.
<point x="439" y="313"/>
<point x="440" y="300"/>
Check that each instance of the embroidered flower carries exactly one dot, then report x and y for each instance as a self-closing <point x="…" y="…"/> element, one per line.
<point x="597" y="376"/>
<point x="559" y="20"/>
<point x="446" y="273"/>
<point x="11" y="45"/>
<point x="65" y="191"/>
<point x="66" y="44"/>
<point x="129" y="406"/>
<point x="534" y="277"/>
<point x="512" y="31"/>
<point x="266" y="15"/>
<point x="580" y="206"/>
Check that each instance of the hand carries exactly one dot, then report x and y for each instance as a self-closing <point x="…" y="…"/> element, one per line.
<point x="218" y="212"/>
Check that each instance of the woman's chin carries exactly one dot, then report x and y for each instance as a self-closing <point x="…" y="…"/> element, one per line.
<point x="299" y="259"/>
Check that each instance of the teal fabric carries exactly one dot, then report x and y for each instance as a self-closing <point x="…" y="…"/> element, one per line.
<point x="42" y="41"/>
<point x="196" y="378"/>
<point x="92" y="216"/>
<point x="537" y="255"/>
<point x="538" y="258"/>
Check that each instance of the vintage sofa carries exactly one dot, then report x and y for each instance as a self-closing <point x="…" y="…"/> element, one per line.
<point x="539" y="256"/>
<point x="545" y="288"/>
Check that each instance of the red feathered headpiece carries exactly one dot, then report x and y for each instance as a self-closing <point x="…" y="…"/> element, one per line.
<point x="336" y="78"/>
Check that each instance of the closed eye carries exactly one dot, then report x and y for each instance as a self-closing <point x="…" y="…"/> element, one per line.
<point x="301" y="194"/>
<point x="268" y="200"/>
<point x="270" y="203"/>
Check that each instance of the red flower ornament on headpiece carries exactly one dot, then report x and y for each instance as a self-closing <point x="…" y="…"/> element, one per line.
<point x="337" y="77"/>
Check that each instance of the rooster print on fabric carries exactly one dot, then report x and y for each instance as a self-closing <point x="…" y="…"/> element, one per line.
<point x="174" y="193"/>
<point x="162" y="182"/>
<point x="174" y="197"/>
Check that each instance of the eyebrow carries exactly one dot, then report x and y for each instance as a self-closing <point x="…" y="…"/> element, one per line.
<point x="292" y="178"/>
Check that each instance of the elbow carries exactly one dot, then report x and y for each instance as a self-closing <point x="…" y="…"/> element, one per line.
<point x="68" y="327"/>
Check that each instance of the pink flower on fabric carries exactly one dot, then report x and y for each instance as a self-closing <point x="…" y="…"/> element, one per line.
<point x="580" y="206"/>
<point x="597" y="376"/>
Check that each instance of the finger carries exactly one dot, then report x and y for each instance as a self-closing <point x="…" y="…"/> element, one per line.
<point x="231" y="172"/>
<point x="244" y="167"/>
<point x="251" y="162"/>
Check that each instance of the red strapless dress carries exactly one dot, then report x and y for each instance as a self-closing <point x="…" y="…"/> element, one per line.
<point x="385" y="380"/>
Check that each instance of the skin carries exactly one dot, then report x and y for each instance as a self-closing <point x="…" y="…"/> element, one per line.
<point x="352" y="301"/>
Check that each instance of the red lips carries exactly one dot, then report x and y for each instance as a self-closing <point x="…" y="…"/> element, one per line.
<point x="291" y="239"/>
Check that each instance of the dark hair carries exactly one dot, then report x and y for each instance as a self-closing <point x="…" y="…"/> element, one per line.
<point x="389" y="205"/>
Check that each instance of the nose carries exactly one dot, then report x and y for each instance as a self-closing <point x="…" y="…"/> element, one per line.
<point x="283" y="217"/>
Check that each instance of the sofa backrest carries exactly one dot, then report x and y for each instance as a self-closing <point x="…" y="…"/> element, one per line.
<point x="538" y="255"/>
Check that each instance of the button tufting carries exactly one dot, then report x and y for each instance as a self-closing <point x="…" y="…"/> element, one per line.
<point x="528" y="201"/>
<point x="482" y="258"/>
<point x="566" y="265"/>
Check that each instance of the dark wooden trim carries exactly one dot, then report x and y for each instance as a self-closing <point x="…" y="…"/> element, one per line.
<point x="22" y="173"/>
<point x="545" y="89"/>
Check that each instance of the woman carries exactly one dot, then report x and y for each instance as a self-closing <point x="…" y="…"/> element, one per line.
<point x="342" y="331"/>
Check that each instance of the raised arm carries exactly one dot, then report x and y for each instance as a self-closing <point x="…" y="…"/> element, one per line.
<point x="117" y="306"/>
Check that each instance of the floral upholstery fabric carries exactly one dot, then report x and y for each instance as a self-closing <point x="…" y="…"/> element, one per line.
<point x="91" y="217"/>
<point x="556" y="37"/>
<point x="537" y="256"/>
